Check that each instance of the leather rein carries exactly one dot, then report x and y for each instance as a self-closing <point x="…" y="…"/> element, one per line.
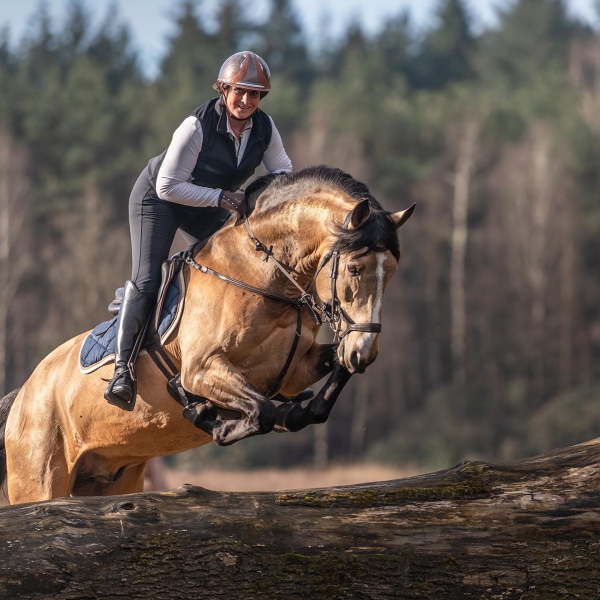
<point x="330" y="312"/>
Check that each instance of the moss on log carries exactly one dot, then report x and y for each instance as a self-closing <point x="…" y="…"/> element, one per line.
<point x="525" y="530"/>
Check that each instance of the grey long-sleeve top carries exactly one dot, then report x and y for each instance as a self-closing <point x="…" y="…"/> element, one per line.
<point x="173" y="181"/>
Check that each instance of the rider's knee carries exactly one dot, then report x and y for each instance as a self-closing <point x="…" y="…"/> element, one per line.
<point x="266" y="417"/>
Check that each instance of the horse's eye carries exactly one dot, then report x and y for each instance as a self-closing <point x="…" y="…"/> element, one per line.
<point x="354" y="269"/>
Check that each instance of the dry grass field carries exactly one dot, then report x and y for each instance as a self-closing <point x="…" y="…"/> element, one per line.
<point x="159" y="478"/>
<point x="277" y="479"/>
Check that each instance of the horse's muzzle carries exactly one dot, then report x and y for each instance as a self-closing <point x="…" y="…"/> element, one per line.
<point x="355" y="361"/>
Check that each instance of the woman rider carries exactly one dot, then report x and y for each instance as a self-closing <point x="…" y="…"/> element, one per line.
<point x="192" y="186"/>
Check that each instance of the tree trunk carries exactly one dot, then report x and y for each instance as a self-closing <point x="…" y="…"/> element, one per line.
<point x="525" y="530"/>
<point x="567" y="299"/>
<point x="467" y="150"/>
<point x="14" y="253"/>
<point x="360" y="414"/>
<point x="321" y="446"/>
<point x="540" y="218"/>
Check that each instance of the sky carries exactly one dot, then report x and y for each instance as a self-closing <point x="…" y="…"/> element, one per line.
<point x="151" y="21"/>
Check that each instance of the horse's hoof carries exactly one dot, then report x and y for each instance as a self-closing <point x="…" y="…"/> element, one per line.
<point x="201" y="415"/>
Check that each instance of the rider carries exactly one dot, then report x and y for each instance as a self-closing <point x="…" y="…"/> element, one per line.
<point x="192" y="186"/>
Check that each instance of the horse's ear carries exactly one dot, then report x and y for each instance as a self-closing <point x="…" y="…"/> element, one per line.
<point x="359" y="214"/>
<point x="401" y="217"/>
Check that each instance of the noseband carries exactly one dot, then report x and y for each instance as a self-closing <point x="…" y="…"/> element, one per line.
<point x="330" y="312"/>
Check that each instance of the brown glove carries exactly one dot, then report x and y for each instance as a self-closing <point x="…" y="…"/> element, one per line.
<point x="234" y="201"/>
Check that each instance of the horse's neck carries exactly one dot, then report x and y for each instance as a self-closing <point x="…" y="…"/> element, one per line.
<point x="298" y="241"/>
<point x="299" y="237"/>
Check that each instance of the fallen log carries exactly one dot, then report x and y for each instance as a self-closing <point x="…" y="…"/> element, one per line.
<point x="525" y="530"/>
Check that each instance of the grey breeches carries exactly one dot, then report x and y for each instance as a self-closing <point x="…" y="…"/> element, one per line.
<point x="153" y="224"/>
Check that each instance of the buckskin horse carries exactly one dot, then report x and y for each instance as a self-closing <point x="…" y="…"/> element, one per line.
<point x="328" y="250"/>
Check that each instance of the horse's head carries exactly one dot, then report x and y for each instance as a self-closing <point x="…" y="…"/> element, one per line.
<point x="364" y="258"/>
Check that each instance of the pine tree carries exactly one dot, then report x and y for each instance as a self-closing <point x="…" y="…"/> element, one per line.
<point x="40" y="48"/>
<point x="72" y="41"/>
<point x="188" y="71"/>
<point x="232" y="27"/>
<point x="8" y="68"/>
<point x="281" y="44"/>
<point x="447" y="50"/>
<point x="111" y="48"/>
<point x="393" y="44"/>
<point x="77" y="113"/>
<point x="533" y="35"/>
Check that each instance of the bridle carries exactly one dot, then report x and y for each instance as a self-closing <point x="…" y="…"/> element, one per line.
<point x="330" y="312"/>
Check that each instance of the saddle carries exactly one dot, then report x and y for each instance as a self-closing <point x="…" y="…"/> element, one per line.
<point x="98" y="347"/>
<point x="170" y="268"/>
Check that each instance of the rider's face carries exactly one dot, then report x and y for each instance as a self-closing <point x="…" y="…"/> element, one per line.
<point x="242" y="102"/>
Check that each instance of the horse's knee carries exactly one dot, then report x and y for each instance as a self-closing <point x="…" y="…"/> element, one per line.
<point x="266" y="416"/>
<point x="320" y="418"/>
<point x="320" y="414"/>
<point x="258" y="420"/>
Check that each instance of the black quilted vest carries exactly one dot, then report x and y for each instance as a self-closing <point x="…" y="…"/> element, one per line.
<point x="217" y="166"/>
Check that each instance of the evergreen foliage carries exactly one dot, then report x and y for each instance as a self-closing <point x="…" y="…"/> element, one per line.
<point x="394" y="109"/>
<point x="447" y="50"/>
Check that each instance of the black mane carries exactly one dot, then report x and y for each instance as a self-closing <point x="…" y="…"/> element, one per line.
<point x="259" y="185"/>
<point x="377" y="234"/>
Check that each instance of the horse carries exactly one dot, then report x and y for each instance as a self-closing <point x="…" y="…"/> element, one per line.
<point x="332" y="240"/>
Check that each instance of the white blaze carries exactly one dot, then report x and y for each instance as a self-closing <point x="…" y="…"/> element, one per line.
<point x="365" y="341"/>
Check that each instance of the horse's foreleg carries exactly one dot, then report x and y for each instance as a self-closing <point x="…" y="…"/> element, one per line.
<point x="315" y="364"/>
<point x="228" y="389"/>
<point x="293" y="417"/>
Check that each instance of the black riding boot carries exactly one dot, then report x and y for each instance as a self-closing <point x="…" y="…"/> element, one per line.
<point x="133" y="313"/>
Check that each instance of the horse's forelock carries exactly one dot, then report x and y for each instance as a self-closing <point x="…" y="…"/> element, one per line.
<point x="376" y="234"/>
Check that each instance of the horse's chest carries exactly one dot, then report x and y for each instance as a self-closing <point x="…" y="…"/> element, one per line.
<point x="266" y="349"/>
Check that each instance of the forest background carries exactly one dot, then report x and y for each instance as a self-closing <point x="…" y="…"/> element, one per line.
<point x="491" y="334"/>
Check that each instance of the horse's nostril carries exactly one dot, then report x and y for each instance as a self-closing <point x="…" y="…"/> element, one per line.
<point x="358" y="365"/>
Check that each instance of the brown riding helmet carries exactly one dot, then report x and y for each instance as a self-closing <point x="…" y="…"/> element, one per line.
<point x="247" y="70"/>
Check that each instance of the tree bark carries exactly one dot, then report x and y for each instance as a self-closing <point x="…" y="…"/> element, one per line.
<point x="525" y="530"/>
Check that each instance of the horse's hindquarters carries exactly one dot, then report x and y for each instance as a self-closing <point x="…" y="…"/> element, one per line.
<point x="60" y="416"/>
